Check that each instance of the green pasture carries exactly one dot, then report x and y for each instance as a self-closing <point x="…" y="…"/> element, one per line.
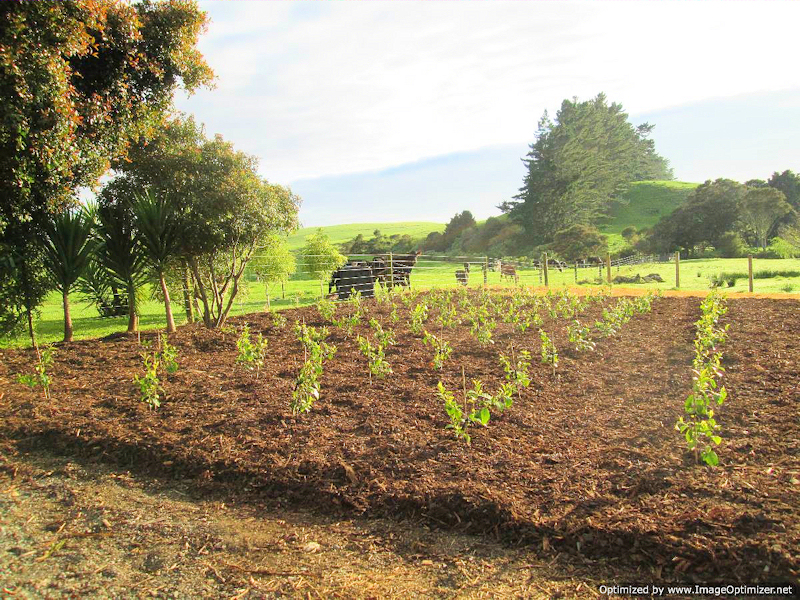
<point x="301" y="290"/>
<point x="339" y="234"/>
<point x="642" y="205"/>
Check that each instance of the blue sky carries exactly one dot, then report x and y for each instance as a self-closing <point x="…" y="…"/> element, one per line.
<point x="386" y="111"/>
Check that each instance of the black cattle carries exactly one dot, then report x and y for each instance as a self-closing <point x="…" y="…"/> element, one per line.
<point x="462" y="276"/>
<point x="402" y="265"/>
<point x="354" y="277"/>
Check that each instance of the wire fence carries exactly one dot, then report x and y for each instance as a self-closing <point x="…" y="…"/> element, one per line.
<point x="367" y="273"/>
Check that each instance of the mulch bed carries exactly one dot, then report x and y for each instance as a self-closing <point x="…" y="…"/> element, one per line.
<point x="587" y="463"/>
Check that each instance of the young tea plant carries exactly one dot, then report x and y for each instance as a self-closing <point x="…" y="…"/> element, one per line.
<point x="516" y="369"/>
<point x="419" y="314"/>
<point x="327" y="309"/>
<point x="385" y="337"/>
<point x="44" y="360"/>
<point x="376" y="356"/>
<point x="278" y="320"/>
<point x="169" y="357"/>
<point x="441" y="349"/>
<point x="149" y="383"/>
<point x="580" y="336"/>
<point x="549" y="351"/>
<point x="315" y="352"/>
<point x="251" y="354"/>
<point x="698" y="426"/>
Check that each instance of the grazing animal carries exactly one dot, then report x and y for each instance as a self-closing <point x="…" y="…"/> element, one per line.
<point x="466" y="267"/>
<point x="380" y="269"/>
<point x="462" y="276"/>
<point x="507" y="270"/>
<point x="353" y="278"/>
<point x="402" y="265"/>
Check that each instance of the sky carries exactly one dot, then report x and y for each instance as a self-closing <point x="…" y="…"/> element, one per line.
<point x="414" y="110"/>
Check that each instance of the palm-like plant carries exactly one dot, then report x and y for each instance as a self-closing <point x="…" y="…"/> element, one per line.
<point x="157" y="226"/>
<point x="120" y="252"/>
<point x="67" y="249"/>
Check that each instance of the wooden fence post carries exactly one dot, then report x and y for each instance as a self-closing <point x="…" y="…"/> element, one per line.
<point x="544" y="267"/>
<point x="678" y="269"/>
<point x="485" y="271"/>
<point x="390" y="285"/>
<point x="608" y="268"/>
<point x="576" y="272"/>
<point x="750" y="271"/>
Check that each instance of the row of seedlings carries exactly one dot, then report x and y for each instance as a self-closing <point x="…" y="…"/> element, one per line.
<point x="698" y="425"/>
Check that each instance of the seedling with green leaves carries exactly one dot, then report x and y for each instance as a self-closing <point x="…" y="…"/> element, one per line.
<point x="44" y="360"/>
<point x="385" y="337"/>
<point x="376" y="356"/>
<point x="482" y="326"/>
<point x="419" y="314"/>
<point x="315" y="353"/>
<point x="516" y="368"/>
<point x="698" y="426"/>
<point x="477" y="406"/>
<point x="580" y="336"/>
<point x="327" y="309"/>
<point x="441" y="349"/>
<point x="549" y="351"/>
<point x="251" y="354"/>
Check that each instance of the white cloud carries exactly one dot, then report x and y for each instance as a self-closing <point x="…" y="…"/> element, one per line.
<point x="328" y="88"/>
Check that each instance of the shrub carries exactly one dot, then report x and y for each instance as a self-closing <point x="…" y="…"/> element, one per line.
<point x="731" y="245"/>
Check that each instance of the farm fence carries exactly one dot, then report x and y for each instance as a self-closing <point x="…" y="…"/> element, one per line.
<point x="437" y="271"/>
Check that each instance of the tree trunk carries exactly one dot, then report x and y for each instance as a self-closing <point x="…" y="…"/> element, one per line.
<point x="29" y="314"/>
<point x="67" y="318"/>
<point x="188" y="290"/>
<point x="283" y="291"/>
<point x="269" y="307"/>
<point x="167" y="305"/>
<point x="133" y="318"/>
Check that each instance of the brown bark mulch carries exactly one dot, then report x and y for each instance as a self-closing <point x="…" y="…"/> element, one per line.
<point x="586" y="463"/>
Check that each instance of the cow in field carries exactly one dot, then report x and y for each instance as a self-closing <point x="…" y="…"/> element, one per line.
<point x="351" y="278"/>
<point x="462" y="276"/>
<point x="402" y="265"/>
<point x="509" y="270"/>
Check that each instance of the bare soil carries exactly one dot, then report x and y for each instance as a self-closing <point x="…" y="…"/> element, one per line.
<point x="585" y="471"/>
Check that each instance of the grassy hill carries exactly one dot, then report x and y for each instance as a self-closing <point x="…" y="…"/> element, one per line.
<point x="342" y="233"/>
<point x="643" y="205"/>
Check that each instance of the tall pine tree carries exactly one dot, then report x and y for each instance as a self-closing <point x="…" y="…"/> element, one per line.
<point x="578" y="165"/>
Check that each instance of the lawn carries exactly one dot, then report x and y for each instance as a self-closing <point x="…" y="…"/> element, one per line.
<point x="301" y="291"/>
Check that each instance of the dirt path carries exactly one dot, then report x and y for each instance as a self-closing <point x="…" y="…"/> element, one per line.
<point x="89" y="530"/>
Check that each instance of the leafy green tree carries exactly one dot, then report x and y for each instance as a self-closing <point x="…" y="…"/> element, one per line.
<point x="79" y="80"/>
<point x="578" y="165"/>
<point x="579" y="241"/>
<point x="273" y="262"/>
<point x="157" y="230"/>
<point x="24" y="282"/>
<point x="761" y="208"/>
<point x="68" y="248"/>
<point x="230" y="210"/>
<point x="320" y="257"/>
<point x="709" y="212"/>
<point x="789" y="183"/>
<point x="120" y="252"/>
<point x="226" y="209"/>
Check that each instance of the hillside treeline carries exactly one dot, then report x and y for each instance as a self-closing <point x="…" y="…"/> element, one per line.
<point x="731" y="219"/>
